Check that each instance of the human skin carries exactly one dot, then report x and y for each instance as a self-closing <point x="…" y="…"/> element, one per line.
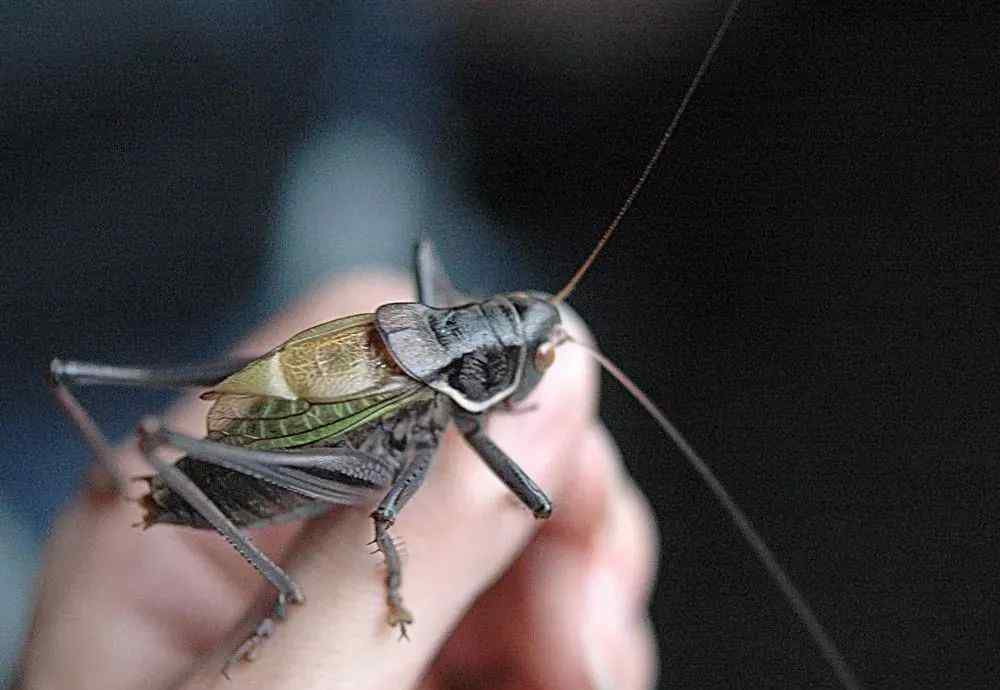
<point x="501" y="600"/>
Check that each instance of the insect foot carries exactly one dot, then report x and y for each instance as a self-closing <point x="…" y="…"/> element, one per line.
<point x="250" y="649"/>
<point x="398" y="615"/>
<point x="401" y="616"/>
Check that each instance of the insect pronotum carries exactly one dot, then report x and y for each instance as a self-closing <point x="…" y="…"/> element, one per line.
<point x="292" y="433"/>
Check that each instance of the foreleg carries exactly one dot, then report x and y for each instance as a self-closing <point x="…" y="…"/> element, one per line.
<point x="508" y="471"/>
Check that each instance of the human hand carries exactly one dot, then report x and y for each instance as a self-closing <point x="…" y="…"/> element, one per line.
<point x="501" y="600"/>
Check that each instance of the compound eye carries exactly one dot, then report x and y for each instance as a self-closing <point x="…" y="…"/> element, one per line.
<point x="545" y="355"/>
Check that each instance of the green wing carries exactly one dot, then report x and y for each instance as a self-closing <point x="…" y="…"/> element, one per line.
<point x="267" y="423"/>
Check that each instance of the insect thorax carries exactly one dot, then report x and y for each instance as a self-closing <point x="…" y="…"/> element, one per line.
<point x="477" y="354"/>
<point x="474" y="354"/>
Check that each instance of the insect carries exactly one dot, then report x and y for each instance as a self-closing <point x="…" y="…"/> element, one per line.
<point x="357" y="405"/>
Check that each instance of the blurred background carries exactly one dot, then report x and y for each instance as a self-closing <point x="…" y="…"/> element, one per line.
<point x="808" y="284"/>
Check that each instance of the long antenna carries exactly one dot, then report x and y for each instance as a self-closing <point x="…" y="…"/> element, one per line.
<point x="791" y="593"/>
<point x="692" y="87"/>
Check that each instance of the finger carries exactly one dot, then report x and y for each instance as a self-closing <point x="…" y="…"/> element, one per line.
<point x="571" y="610"/>
<point x="122" y="607"/>
<point x="587" y="576"/>
<point x="461" y="530"/>
<point x="609" y="519"/>
<point x="615" y="549"/>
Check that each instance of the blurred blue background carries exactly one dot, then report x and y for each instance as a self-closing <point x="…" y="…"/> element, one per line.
<point x="808" y="284"/>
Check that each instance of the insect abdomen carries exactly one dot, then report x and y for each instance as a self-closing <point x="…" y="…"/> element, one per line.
<point x="246" y="500"/>
<point x="252" y="502"/>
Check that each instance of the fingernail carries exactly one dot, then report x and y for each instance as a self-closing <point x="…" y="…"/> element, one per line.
<point x="604" y="628"/>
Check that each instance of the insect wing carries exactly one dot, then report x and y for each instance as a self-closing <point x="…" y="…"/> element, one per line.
<point x="265" y="423"/>
<point x="337" y="361"/>
<point x="273" y="425"/>
<point x="318" y="386"/>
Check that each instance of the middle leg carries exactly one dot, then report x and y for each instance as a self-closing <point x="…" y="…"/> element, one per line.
<point x="508" y="471"/>
<point x="402" y="490"/>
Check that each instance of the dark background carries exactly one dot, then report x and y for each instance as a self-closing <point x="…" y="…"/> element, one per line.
<point x="807" y="284"/>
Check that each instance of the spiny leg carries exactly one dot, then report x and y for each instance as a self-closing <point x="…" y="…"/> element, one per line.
<point x="363" y="472"/>
<point x="508" y="471"/>
<point x="107" y="477"/>
<point x="62" y="374"/>
<point x="179" y="483"/>
<point x="384" y="516"/>
<point x="398" y="613"/>
<point x="275" y="466"/>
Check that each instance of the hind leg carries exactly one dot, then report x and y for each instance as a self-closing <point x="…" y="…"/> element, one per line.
<point x="108" y="477"/>
<point x="178" y="482"/>
<point x="367" y="474"/>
